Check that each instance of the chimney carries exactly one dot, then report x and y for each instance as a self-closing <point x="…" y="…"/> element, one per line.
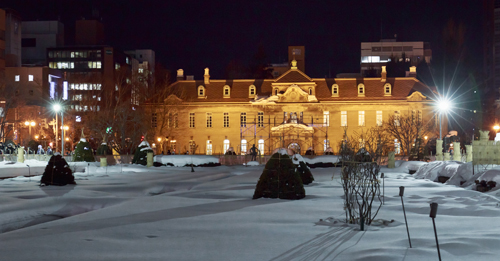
<point x="207" y="76"/>
<point x="180" y="75"/>
<point x="383" y="74"/>
<point x="412" y="72"/>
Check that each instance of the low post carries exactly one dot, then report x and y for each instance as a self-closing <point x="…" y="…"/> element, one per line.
<point x="434" y="208"/>
<point x="391" y="162"/>
<point x="401" y="192"/>
<point x="104" y="161"/>
<point x="20" y="155"/>
<point x="383" y="188"/>
<point x="29" y="172"/>
<point x="150" y="159"/>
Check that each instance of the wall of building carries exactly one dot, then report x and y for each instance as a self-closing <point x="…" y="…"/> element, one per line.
<point x="37" y="36"/>
<point x="13" y="29"/>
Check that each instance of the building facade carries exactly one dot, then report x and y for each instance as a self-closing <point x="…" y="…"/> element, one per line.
<point x="13" y="31"/>
<point x="37" y="36"/>
<point x="374" y="55"/>
<point x="293" y="111"/>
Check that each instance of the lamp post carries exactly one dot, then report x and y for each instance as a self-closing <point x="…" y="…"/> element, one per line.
<point x="443" y="106"/>
<point x="29" y="124"/>
<point x="57" y="107"/>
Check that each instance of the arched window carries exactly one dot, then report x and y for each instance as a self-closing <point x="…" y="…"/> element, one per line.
<point x="227" y="91"/>
<point x="251" y="91"/>
<point x="310" y="91"/>
<point x="201" y="91"/>
<point x="387" y="89"/>
<point x="361" y="90"/>
<point x="326" y="144"/>
<point x="335" y="90"/>
<point x="261" y="147"/>
<point x="275" y="91"/>
<point x="243" y="147"/>
<point x="209" y="147"/>
<point x="226" y="145"/>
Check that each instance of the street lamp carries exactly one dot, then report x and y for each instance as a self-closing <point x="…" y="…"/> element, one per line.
<point x="496" y="128"/>
<point x="444" y="106"/>
<point x="29" y="124"/>
<point x="57" y="107"/>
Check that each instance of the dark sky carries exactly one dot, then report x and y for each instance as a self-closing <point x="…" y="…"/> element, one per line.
<point x="193" y="35"/>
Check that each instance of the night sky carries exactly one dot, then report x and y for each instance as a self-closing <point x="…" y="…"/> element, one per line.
<point x="193" y="35"/>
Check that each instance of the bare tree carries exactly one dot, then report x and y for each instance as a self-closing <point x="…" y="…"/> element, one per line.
<point x="408" y="130"/>
<point x="359" y="177"/>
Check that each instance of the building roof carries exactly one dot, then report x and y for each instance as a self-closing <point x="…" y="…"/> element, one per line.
<point x="401" y="88"/>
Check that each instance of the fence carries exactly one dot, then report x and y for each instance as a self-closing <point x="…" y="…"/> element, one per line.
<point x="111" y="159"/>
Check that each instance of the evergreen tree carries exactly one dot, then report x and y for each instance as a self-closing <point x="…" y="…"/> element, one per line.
<point x="83" y="151"/>
<point x="57" y="172"/>
<point x="280" y="179"/>
<point x="141" y="153"/>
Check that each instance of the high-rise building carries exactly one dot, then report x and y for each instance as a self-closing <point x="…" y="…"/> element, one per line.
<point x="37" y="36"/>
<point x="2" y="44"/>
<point x="374" y="55"/>
<point x="13" y="31"/>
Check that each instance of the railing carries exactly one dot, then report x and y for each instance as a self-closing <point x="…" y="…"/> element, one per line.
<point x="111" y="159"/>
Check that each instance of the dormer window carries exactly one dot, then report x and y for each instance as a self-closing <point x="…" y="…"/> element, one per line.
<point x="310" y="91"/>
<point x="275" y="91"/>
<point x="201" y="91"/>
<point x="251" y="91"/>
<point x="387" y="89"/>
<point x="335" y="90"/>
<point x="227" y="91"/>
<point x="361" y="90"/>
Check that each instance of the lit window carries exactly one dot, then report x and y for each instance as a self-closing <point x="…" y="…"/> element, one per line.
<point x="260" y="119"/>
<point x="361" y="90"/>
<point x="226" y="145"/>
<point x="261" y="147"/>
<point x="141" y="70"/>
<point x="209" y="120"/>
<point x="326" y="118"/>
<point x="191" y="120"/>
<point x="227" y="91"/>
<point x="201" y="91"/>
<point x="209" y="147"/>
<point x="78" y="118"/>
<point x="420" y="116"/>
<point x="243" y="147"/>
<point x="379" y="118"/>
<point x="387" y="89"/>
<point x="343" y="118"/>
<point x="98" y="65"/>
<point x="251" y="91"/>
<point x="30" y="78"/>
<point x="17" y="78"/>
<point x="326" y="144"/>
<point x="243" y="119"/>
<point x="361" y="118"/>
<point x="154" y="120"/>
<point x="397" y="115"/>
<point x="226" y="119"/>
<point x="335" y="90"/>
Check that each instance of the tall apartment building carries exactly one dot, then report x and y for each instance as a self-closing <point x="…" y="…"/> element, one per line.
<point x="13" y="31"/>
<point x="374" y="55"/>
<point x="491" y="62"/>
<point x="37" y="36"/>
<point x="2" y="44"/>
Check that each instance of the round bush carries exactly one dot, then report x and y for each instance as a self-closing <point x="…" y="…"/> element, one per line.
<point x="57" y="172"/>
<point x="280" y="180"/>
<point x="141" y="153"/>
<point x="83" y="152"/>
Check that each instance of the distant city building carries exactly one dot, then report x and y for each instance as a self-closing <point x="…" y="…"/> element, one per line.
<point x="374" y="55"/>
<point x="294" y="52"/>
<point x="491" y="61"/>
<point x="88" y="70"/>
<point x="34" y="85"/>
<point x="89" y="32"/>
<point x="146" y="60"/>
<point x="37" y="36"/>
<point x="13" y="31"/>
<point x="2" y="44"/>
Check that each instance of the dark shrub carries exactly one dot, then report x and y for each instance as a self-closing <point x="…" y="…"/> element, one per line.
<point x="83" y="152"/>
<point x="57" y="172"/>
<point x="280" y="180"/>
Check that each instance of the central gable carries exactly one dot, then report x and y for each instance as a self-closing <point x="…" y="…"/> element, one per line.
<point x="294" y="94"/>
<point x="293" y="76"/>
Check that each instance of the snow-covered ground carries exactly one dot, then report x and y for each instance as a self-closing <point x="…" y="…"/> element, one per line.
<point x="130" y="212"/>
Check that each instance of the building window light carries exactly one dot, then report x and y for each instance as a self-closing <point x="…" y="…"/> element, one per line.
<point x="17" y="78"/>
<point x="30" y="78"/>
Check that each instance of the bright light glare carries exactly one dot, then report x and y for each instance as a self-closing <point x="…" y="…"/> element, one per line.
<point x="496" y="127"/>
<point x="26" y="123"/>
<point x="57" y="107"/>
<point x="33" y="123"/>
<point x="444" y="105"/>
